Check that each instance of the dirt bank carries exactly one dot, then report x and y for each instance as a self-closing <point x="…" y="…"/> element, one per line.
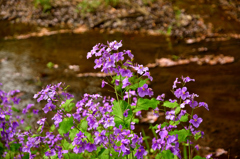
<point x="159" y="16"/>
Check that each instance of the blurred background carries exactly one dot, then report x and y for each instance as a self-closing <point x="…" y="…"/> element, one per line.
<point x="46" y="41"/>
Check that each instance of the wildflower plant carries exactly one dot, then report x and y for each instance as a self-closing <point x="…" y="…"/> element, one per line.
<point x="103" y="127"/>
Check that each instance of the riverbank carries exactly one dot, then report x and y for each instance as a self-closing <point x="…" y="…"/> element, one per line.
<point x="158" y="16"/>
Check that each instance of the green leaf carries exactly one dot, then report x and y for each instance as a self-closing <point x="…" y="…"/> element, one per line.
<point x="184" y="118"/>
<point x="73" y="133"/>
<point x="165" y="154"/>
<point x="7" y="117"/>
<point x="170" y="105"/>
<point x="15" y="147"/>
<point x="65" y="125"/>
<point x="52" y="128"/>
<point x="39" y="129"/>
<point x="29" y="116"/>
<point x="35" y="135"/>
<point x="67" y="145"/>
<point x="84" y="125"/>
<point x="118" y="110"/>
<point x="145" y="104"/>
<point x="136" y="85"/>
<point x="54" y="157"/>
<point x="72" y="156"/>
<point x="182" y="134"/>
<point x="15" y="109"/>
<point x="136" y="120"/>
<point x="67" y="106"/>
<point x="199" y="157"/>
<point x="174" y="123"/>
<point x="197" y="135"/>
<point x="177" y="110"/>
<point x="27" y="128"/>
<point x="26" y="156"/>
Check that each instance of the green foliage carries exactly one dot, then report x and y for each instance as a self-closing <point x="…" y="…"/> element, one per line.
<point x="65" y="125"/>
<point x="50" y="65"/>
<point x="118" y="110"/>
<point x="182" y="134"/>
<point x="87" y="6"/>
<point x="145" y="104"/>
<point x="166" y="154"/>
<point x="170" y="105"/>
<point x="44" y="4"/>
<point x="15" y="109"/>
<point x="199" y="157"/>
<point x="68" y="105"/>
<point x="184" y="118"/>
<point x="15" y="147"/>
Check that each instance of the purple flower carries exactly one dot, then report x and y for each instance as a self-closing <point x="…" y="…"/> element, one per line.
<point x="58" y="118"/>
<point x="125" y="73"/>
<point x="142" y="91"/>
<point x="90" y="147"/>
<point x="203" y="104"/>
<point x="138" y="113"/>
<point x="125" y="114"/>
<point x="170" y="115"/>
<point x="193" y="104"/>
<point x="98" y="63"/>
<point x="184" y="103"/>
<point x="49" y="107"/>
<point x="140" y="152"/>
<point x="187" y="79"/>
<point x="110" y="62"/>
<point x="25" y="110"/>
<point x="50" y="153"/>
<point x="35" y="111"/>
<point x="41" y="121"/>
<point x="156" y="144"/>
<point x="115" y="45"/>
<point x="181" y="92"/>
<point x="103" y="83"/>
<point x="129" y="53"/>
<point x="209" y="156"/>
<point x="148" y="75"/>
<point x="100" y="137"/>
<point x="117" y="82"/>
<point x="129" y="94"/>
<point x="109" y="122"/>
<point x="163" y="134"/>
<point x="196" y="121"/>
<point x="125" y="83"/>
<point x="132" y="127"/>
<point x="119" y="56"/>
<point x="140" y="69"/>
<point x="161" y="97"/>
<point x="60" y="151"/>
<point x="93" y="51"/>
<point x="175" y="83"/>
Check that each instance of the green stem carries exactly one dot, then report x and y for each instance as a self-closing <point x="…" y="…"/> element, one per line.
<point x="189" y="149"/>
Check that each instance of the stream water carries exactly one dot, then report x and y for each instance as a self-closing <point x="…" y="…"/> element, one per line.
<point x="23" y="66"/>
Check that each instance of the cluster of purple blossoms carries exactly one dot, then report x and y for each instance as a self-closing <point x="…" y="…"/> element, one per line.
<point x="114" y="63"/>
<point x="185" y="96"/>
<point x="52" y="95"/>
<point x="98" y="116"/>
<point x="9" y="121"/>
<point x="166" y="141"/>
